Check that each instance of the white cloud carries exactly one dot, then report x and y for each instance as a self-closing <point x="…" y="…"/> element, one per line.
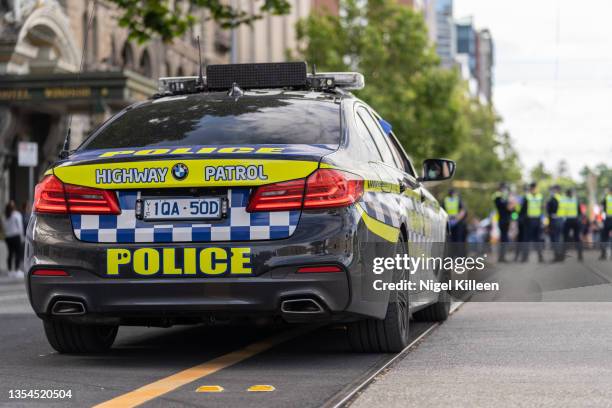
<point x="553" y="76"/>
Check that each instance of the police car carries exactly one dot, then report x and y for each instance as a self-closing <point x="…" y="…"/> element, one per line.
<point x="259" y="190"/>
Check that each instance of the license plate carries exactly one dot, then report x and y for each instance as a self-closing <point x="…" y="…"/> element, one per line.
<point x="210" y="208"/>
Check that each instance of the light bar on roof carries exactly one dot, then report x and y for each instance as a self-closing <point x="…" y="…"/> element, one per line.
<point x="350" y="81"/>
<point x="182" y="84"/>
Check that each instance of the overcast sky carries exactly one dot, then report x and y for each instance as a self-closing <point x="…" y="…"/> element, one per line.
<point x="553" y="76"/>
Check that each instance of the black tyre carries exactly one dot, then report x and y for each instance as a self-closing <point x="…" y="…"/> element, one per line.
<point x="437" y="312"/>
<point x="389" y="335"/>
<point x="73" y="338"/>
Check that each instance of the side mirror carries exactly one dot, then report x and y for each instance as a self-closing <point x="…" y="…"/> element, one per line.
<point x="437" y="170"/>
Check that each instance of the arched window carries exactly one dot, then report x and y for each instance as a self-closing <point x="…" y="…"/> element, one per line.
<point x="145" y="64"/>
<point x="180" y="72"/>
<point x="127" y="55"/>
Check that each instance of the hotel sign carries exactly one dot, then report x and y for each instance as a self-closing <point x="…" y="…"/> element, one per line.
<point x="54" y="93"/>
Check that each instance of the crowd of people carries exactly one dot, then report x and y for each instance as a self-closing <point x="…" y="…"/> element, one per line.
<point x="525" y="222"/>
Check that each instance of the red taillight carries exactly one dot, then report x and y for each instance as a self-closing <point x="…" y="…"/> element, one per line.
<point x="284" y="196"/>
<point x="49" y="196"/>
<point x="319" y="269"/>
<point x="52" y="196"/>
<point x="325" y="188"/>
<point x="328" y="188"/>
<point x="50" y="272"/>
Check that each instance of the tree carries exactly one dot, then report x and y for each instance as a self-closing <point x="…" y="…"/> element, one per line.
<point x="168" y="19"/>
<point x="429" y="107"/>
<point x="388" y="43"/>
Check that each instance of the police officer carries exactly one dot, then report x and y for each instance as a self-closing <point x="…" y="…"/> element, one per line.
<point x="456" y="215"/>
<point x="521" y="223"/>
<point x="532" y="213"/>
<point x="504" y="209"/>
<point x="554" y="209"/>
<point x="607" y="226"/>
<point x="572" y="227"/>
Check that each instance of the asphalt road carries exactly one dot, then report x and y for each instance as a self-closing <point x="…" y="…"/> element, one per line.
<point x="486" y="354"/>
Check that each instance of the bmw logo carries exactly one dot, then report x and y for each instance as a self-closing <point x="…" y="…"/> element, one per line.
<point x="180" y="171"/>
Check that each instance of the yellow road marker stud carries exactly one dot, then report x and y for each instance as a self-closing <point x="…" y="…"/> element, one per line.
<point x="210" y="388"/>
<point x="261" y="388"/>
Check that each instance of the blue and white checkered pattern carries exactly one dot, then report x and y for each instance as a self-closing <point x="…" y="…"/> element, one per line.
<point x="384" y="207"/>
<point x="238" y="226"/>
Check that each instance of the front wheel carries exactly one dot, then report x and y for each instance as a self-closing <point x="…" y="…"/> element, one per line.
<point x="66" y="337"/>
<point x="389" y="335"/>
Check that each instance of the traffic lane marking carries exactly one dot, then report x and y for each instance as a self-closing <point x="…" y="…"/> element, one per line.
<point x="261" y="388"/>
<point x="210" y="388"/>
<point x="174" y="381"/>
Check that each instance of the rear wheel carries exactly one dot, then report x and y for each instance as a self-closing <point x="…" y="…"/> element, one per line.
<point x="73" y="338"/>
<point x="389" y="335"/>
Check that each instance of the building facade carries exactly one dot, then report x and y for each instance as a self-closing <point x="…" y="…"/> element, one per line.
<point x="41" y="91"/>
<point x="446" y="41"/>
<point x="271" y="37"/>
<point x="485" y="62"/>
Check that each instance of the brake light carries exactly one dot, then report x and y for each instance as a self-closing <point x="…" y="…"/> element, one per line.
<point x="50" y="272"/>
<point x="328" y="188"/>
<point x="325" y="188"/>
<point x="284" y="196"/>
<point x="52" y="196"/>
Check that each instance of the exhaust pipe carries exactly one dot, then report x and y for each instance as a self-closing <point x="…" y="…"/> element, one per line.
<point x="302" y="307"/>
<point x="68" y="308"/>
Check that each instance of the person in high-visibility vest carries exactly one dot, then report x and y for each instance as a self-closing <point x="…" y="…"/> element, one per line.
<point x="554" y="209"/>
<point x="571" y="227"/>
<point x="456" y="216"/>
<point x="521" y="222"/>
<point x="607" y="225"/>
<point x="532" y="211"/>
<point x="501" y="200"/>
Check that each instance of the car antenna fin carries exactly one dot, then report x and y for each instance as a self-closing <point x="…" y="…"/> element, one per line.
<point x="65" y="152"/>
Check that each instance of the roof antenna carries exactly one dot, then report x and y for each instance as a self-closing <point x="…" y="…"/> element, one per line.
<point x="65" y="152"/>
<point x="201" y="74"/>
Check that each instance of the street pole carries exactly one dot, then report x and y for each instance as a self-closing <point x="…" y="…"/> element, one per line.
<point x="31" y="186"/>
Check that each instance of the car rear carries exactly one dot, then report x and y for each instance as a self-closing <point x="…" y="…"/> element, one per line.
<point x="197" y="208"/>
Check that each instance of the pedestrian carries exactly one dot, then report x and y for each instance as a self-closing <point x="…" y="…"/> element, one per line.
<point x="504" y="209"/>
<point x="13" y="234"/>
<point x="554" y="210"/>
<point x="572" y="227"/>
<point x="457" y="221"/>
<point x="532" y="212"/>
<point x="607" y="224"/>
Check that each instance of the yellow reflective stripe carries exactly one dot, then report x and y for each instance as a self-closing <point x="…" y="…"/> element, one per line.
<point x="379" y="228"/>
<point x="48" y="172"/>
<point x="96" y="175"/>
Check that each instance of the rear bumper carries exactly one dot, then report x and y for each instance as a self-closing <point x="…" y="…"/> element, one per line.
<point x="176" y="298"/>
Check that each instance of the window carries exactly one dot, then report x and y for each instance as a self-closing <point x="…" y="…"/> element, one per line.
<point x="403" y="161"/>
<point x="378" y="136"/>
<point x="218" y="119"/>
<point x="372" y="152"/>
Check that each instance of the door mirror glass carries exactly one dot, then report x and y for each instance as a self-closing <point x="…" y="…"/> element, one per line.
<point x="437" y="170"/>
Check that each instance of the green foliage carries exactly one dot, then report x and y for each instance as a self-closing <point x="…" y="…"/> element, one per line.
<point x="428" y="106"/>
<point x="168" y="19"/>
<point x="388" y="43"/>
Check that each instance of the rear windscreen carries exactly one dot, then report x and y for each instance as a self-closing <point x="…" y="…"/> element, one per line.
<point x="206" y="120"/>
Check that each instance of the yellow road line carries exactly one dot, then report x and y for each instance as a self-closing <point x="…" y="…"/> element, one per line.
<point x="174" y="381"/>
